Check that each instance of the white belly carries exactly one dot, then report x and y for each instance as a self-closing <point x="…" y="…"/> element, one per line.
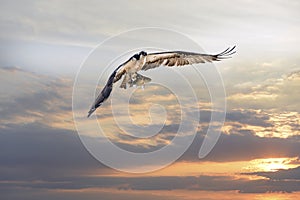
<point x="135" y="66"/>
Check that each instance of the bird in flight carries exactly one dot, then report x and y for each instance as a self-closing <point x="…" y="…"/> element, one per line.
<point x="144" y="61"/>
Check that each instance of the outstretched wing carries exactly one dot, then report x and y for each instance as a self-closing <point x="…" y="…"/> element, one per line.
<point x="105" y="93"/>
<point x="181" y="58"/>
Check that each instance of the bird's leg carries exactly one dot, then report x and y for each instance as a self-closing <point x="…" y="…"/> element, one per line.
<point x="130" y="80"/>
<point x="131" y="83"/>
<point x="125" y="81"/>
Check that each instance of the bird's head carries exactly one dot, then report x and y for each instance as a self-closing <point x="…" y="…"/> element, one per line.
<point x="143" y="53"/>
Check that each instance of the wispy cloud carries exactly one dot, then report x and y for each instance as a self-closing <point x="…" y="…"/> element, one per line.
<point x="273" y="93"/>
<point x="35" y="98"/>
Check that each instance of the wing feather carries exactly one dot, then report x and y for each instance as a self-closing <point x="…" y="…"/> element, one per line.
<point x="181" y="58"/>
<point x="105" y="92"/>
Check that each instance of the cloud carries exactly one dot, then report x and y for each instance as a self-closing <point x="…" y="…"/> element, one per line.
<point x="275" y="93"/>
<point x="34" y="98"/>
<point x="282" y="174"/>
<point x="189" y="183"/>
<point x="68" y="18"/>
<point x="108" y="194"/>
<point x="243" y="145"/>
<point x="264" y="123"/>
<point x="46" y="101"/>
<point x="45" y="153"/>
<point x="35" y="151"/>
<point x="270" y="33"/>
<point x="42" y="57"/>
<point x="249" y="117"/>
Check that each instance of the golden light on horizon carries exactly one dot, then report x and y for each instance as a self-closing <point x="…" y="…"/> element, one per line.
<point x="271" y="164"/>
<point x="233" y="169"/>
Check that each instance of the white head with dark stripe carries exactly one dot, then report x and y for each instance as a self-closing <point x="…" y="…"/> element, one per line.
<point x="139" y="56"/>
<point x="143" y="53"/>
<point x="143" y="56"/>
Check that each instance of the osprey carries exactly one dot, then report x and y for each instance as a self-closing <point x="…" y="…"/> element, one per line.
<point x="143" y="61"/>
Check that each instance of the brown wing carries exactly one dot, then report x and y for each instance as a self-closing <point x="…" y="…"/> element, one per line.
<point x="181" y="58"/>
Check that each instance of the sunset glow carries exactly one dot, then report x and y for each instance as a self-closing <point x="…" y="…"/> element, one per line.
<point x="271" y="164"/>
<point x="226" y="130"/>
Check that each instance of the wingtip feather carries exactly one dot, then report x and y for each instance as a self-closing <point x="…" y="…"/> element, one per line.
<point x="225" y="54"/>
<point x="91" y="112"/>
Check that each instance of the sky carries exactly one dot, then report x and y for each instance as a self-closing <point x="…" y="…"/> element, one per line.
<point x="44" y="44"/>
